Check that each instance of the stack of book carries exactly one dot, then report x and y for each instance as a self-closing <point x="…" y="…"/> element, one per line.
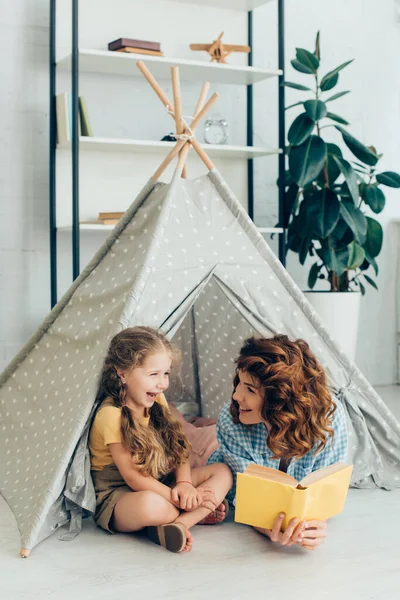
<point x="64" y="118"/>
<point x="135" y="46"/>
<point x="105" y="218"/>
<point x="109" y="218"/>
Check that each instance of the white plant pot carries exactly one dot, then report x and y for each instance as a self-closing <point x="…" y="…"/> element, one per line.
<point x="339" y="312"/>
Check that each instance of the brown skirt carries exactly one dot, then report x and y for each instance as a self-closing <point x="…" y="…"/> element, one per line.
<point x="110" y="487"/>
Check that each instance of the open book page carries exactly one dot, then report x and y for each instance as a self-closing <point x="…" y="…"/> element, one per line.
<point x="322" y="473"/>
<point x="270" y="474"/>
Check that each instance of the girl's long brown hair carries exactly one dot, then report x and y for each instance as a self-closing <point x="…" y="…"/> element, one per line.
<point x="298" y="407"/>
<point x="162" y="446"/>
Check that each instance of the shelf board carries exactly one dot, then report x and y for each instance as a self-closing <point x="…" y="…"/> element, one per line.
<point x="118" y="63"/>
<point x="270" y="229"/>
<point x="98" y="227"/>
<point x="148" y="146"/>
<point x="230" y="4"/>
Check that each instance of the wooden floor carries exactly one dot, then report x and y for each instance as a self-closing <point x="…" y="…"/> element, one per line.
<point x="359" y="560"/>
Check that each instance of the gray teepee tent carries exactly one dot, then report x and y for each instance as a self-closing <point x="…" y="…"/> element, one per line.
<point x="185" y="257"/>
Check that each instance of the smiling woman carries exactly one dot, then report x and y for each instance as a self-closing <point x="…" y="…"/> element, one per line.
<point x="249" y="397"/>
<point x="282" y="416"/>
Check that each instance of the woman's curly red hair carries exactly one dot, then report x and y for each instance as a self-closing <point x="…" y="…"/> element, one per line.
<point x="298" y="407"/>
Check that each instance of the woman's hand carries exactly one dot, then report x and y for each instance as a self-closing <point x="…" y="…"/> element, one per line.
<point x="292" y="535"/>
<point x="313" y="534"/>
<point x="307" y="534"/>
<point x="185" y="496"/>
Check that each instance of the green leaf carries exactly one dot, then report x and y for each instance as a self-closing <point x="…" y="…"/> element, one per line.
<point x="331" y="166"/>
<point x="296" y="86"/>
<point x="323" y="211"/>
<point x="355" y="219"/>
<point x="303" y="250"/>
<point x="313" y="275"/>
<point x="370" y="281"/>
<point x="331" y="78"/>
<point x="300" y="129"/>
<point x="375" y="198"/>
<point x="361" y="166"/>
<point x="293" y="105"/>
<point x="338" y="95"/>
<point x="289" y="202"/>
<point x="356" y="255"/>
<point x="306" y="161"/>
<point x="342" y="235"/>
<point x="389" y="178"/>
<point x="317" y="51"/>
<point x="371" y="261"/>
<point x="335" y="259"/>
<point x="362" y="288"/>
<point x="349" y="176"/>
<point x="373" y="243"/>
<point x="294" y="238"/>
<point x="336" y="118"/>
<point x="358" y="149"/>
<point x="329" y="81"/>
<point x="296" y="64"/>
<point x="307" y="59"/>
<point x="315" y="109"/>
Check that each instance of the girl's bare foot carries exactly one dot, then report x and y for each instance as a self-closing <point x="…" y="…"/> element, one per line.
<point x="216" y="516"/>
<point x="189" y="539"/>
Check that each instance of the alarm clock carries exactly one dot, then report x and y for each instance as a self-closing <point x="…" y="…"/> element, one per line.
<point x="216" y="131"/>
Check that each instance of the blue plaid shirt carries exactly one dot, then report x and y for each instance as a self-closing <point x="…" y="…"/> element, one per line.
<point x="240" y="445"/>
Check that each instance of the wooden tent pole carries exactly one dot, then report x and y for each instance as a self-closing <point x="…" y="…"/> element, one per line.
<point x="175" y="150"/>
<point x="203" y="155"/>
<point x="202" y="97"/>
<point x="165" y="100"/>
<point x="153" y="82"/>
<point x="178" y="108"/>
<point x="199" y="106"/>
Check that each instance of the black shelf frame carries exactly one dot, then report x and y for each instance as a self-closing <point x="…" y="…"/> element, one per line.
<point x="75" y="139"/>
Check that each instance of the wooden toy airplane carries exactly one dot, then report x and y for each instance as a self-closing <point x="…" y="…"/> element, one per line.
<point x="219" y="51"/>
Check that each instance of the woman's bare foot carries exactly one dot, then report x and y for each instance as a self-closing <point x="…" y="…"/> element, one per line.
<point x="216" y="516"/>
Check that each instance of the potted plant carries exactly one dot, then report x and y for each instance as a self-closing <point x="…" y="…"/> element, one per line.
<point x="329" y="200"/>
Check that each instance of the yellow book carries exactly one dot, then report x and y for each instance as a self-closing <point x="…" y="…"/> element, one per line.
<point x="262" y="493"/>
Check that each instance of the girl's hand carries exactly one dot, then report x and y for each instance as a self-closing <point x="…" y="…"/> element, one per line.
<point x="208" y="499"/>
<point x="313" y="534"/>
<point x="185" y="496"/>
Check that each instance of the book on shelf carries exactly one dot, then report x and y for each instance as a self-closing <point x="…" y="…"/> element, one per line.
<point x="262" y="493"/>
<point x="140" y="51"/>
<point x="131" y="43"/>
<point x="84" y="118"/>
<point x="100" y="222"/>
<point x="109" y="215"/>
<point x="64" y="118"/>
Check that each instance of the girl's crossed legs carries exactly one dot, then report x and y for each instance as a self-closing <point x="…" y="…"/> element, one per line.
<point x="137" y="510"/>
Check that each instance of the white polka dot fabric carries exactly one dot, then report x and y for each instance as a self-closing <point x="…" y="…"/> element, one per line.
<point x="186" y="258"/>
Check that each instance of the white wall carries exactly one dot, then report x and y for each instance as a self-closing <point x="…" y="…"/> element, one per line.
<point x="369" y="31"/>
<point x="366" y="30"/>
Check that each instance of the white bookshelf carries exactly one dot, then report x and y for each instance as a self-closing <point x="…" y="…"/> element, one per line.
<point x="98" y="144"/>
<point x="104" y="228"/>
<point x="117" y="63"/>
<point x="229" y="4"/>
